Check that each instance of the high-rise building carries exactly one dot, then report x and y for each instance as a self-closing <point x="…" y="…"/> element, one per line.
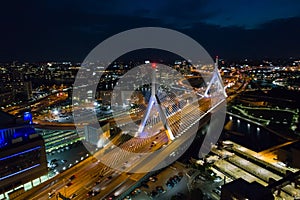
<point x="22" y="153"/>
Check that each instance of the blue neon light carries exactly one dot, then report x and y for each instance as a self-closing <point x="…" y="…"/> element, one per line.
<point x="27" y="117"/>
<point x="24" y="131"/>
<point x="16" y="154"/>
<point x="21" y="171"/>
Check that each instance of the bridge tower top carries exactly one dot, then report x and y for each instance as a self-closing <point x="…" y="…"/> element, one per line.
<point x="216" y="81"/>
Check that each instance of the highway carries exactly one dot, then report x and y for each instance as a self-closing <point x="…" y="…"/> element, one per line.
<point x="93" y="175"/>
<point x="90" y="172"/>
<point x="38" y="105"/>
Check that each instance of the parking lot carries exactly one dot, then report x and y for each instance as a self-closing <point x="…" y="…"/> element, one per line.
<point x="157" y="185"/>
<point x="65" y="158"/>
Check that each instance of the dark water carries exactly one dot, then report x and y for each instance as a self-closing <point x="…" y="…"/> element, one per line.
<point x="251" y="136"/>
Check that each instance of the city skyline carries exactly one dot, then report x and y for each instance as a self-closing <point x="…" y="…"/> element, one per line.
<point x="150" y="100"/>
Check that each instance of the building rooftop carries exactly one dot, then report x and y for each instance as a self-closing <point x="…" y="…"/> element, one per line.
<point x="14" y="130"/>
<point x="241" y="189"/>
<point x="6" y="119"/>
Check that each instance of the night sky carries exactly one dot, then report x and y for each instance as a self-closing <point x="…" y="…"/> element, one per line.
<point x="66" y="30"/>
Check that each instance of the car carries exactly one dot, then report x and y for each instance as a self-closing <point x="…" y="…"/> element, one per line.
<point x="145" y="185"/>
<point x="90" y="193"/>
<point x="95" y="193"/>
<point x="202" y="178"/>
<point x="72" y="177"/>
<point x="160" y="189"/>
<point x="69" y="184"/>
<point x="133" y="193"/>
<point x="218" y="179"/>
<point x="137" y="190"/>
<point x="176" y="178"/>
<point x="73" y="196"/>
<point x="170" y="184"/>
<point x="152" y="179"/>
<point x="173" y="180"/>
<point x="153" y="193"/>
<point x="218" y="192"/>
<point x="211" y="173"/>
<point x="52" y="193"/>
<point x="180" y="174"/>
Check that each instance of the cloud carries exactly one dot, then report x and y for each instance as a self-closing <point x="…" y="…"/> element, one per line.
<point x="245" y="13"/>
<point x="70" y="29"/>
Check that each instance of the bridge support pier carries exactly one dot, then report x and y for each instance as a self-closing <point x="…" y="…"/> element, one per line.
<point x="296" y="184"/>
<point x="278" y="192"/>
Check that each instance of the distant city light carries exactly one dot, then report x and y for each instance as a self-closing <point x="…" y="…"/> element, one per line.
<point x="55" y="112"/>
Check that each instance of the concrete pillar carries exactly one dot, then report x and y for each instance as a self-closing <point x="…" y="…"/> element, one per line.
<point x="297" y="183"/>
<point x="279" y="192"/>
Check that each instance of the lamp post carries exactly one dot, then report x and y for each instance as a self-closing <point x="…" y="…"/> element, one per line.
<point x="65" y="188"/>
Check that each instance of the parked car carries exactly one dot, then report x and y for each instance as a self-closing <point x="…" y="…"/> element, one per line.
<point x="218" y="192"/>
<point x="153" y="193"/>
<point x="160" y="189"/>
<point x="152" y="178"/>
<point x="170" y="184"/>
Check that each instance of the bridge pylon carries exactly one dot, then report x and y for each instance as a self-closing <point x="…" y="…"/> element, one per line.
<point x="154" y="103"/>
<point x="216" y="81"/>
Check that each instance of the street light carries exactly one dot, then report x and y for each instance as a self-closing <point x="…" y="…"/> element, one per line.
<point x="55" y="112"/>
<point x="65" y="188"/>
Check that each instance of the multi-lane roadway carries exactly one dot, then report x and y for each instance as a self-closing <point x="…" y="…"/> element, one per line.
<point x="120" y="158"/>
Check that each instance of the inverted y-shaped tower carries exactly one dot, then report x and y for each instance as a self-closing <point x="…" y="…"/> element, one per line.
<point x="154" y="102"/>
<point x="216" y="80"/>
